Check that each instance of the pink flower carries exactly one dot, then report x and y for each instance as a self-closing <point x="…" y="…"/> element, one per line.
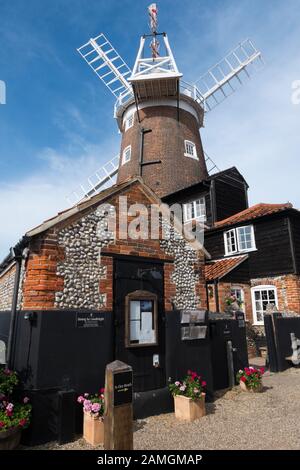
<point x="10" y="407"/>
<point x="86" y="395"/>
<point x="96" y="407"/>
<point x="102" y="390"/>
<point x="203" y="383"/>
<point x="26" y="400"/>
<point x="196" y="390"/>
<point x="80" y="399"/>
<point x="182" y="388"/>
<point x="87" y="405"/>
<point x="7" y="372"/>
<point x="177" y="383"/>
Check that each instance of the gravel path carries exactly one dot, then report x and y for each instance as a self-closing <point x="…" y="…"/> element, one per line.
<point x="236" y="420"/>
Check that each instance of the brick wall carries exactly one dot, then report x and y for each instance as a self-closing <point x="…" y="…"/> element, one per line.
<point x="7" y="282"/>
<point x="165" y="143"/>
<point x="288" y="291"/>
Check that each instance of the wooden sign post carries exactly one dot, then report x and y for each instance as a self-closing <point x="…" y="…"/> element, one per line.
<point x="118" y="416"/>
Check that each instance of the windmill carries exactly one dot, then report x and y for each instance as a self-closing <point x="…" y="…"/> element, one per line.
<point x="149" y="99"/>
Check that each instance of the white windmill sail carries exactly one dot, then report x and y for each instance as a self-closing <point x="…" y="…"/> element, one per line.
<point x="109" y="66"/>
<point x="221" y="80"/>
<point x="103" y="178"/>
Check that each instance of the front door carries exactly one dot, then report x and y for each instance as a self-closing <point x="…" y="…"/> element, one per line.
<point x="139" y="321"/>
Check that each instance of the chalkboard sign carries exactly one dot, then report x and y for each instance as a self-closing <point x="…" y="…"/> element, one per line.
<point x="122" y="388"/>
<point x="89" y="320"/>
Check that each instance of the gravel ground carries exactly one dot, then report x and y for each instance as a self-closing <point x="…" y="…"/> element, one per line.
<point x="236" y="420"/>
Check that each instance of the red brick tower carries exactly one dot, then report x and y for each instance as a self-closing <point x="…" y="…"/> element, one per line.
<point x="160" y="123"/>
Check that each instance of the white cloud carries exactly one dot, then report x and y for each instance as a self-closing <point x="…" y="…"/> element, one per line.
<point x="26" y="203"/>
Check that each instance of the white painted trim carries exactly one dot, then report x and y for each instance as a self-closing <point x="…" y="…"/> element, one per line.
<point x="124" y="153"/>
<point x="259" y="288"/>
<point x="186" y="154"/>
<point x="238" y="249"/>
<point x="164" y="102"/>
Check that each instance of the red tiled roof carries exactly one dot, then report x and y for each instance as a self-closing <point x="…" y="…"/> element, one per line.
<point x="253" y="212"/>
<point x="219" y="268"/>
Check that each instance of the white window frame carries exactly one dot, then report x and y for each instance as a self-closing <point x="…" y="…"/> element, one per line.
<point x="126" y="150"/>
<point x="202" y="217"/>
<point x="193" y="145"/>
<point x="129" y="121"/>
<point x="238" y="248"/>
<point x="239" y="288"/>
<point x="254" y="310"/>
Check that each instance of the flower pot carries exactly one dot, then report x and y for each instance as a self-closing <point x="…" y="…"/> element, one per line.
<point x="10" y="439"/>
<point x="188" y="409"/>
<point x="93" y="429"/>
<point x="244" y="387"/>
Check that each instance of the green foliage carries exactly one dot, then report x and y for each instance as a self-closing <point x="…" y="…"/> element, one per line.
<point x="192" y="386"/>
<point x="13" y="413"/>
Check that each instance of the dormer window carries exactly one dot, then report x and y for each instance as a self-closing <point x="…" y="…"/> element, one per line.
<point x="129" y="122"/>
<point x="239" y="240"/>
<point x="126" y="155"/>
<point x="194" y="210"/>
<point x="190" y="149"/>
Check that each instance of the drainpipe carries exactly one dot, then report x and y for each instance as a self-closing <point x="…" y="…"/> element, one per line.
<point x="18" y="253"/>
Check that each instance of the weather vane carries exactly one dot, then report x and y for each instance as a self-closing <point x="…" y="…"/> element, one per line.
<point x="153" y="14"/>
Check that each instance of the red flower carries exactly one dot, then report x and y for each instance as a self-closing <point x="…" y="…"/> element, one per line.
<point x="22" y="422"/>
<point x="203" y="383"/>
<point x="2" y="424"/>
<point x="102" y="390"/>
<point x="262" y="370"/>
<point x="243" y="378"/>
<point x="194" y="375"/>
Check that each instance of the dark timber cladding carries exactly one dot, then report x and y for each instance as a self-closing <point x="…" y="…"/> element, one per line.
<point x="273" y="255"/>
<point x="295" y="239"/>
<point x="225" y="194"/>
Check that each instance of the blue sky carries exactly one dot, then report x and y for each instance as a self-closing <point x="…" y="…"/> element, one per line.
<point x="57" y="126"/>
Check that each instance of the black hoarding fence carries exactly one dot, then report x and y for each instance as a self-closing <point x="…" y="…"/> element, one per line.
<point x="282" y="333"/>
<point x="61" y="354"/>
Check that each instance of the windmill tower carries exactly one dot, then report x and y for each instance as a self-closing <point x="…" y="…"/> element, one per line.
<point x="158" y="114"/>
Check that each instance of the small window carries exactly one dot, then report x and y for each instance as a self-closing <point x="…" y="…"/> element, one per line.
<point x="194" y="210"/>
<point x="240" y="239"/>
<point x="126" y="155"/>
<point x="230" y="242"/>
<point x="190" y="149"/>
<point x="141" y="319"/>
<point x="262" y="296"/>
<point x="129" y="122"/>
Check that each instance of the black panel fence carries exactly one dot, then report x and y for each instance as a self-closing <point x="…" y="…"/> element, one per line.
<point x="280" y="330"/>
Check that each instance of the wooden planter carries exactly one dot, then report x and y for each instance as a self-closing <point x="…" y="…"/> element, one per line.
<point x="93" y="429"/>
<point x="244" y="387"/>
<point x="188" y="409"/>
<point x="10" y="439"/>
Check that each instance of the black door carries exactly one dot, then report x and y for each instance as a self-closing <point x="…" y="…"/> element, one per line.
<point x="147" y="361"/>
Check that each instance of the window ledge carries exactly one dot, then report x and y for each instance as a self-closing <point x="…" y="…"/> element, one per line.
<point x="258" y="324"/>
<point x="239" y="252"/>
